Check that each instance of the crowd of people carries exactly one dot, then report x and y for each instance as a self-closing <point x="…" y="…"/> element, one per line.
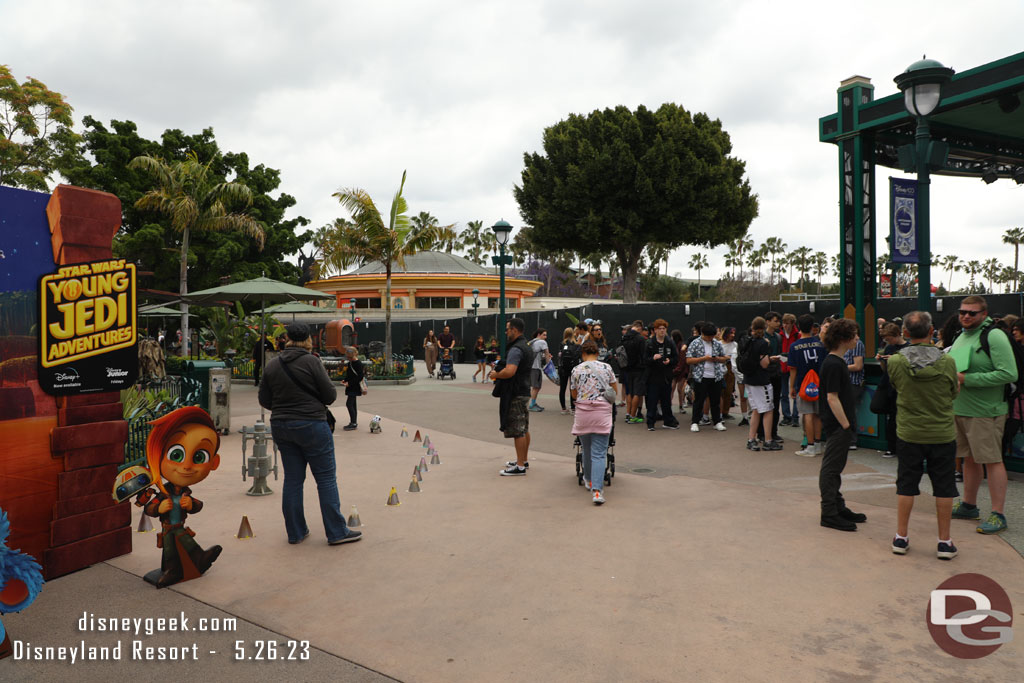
<point x="948" y="397"/>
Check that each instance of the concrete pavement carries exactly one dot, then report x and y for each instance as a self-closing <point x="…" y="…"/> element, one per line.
<point x="711" y="567"/>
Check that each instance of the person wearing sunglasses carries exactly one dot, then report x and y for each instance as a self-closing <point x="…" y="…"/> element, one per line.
<point x="981" y="410"/>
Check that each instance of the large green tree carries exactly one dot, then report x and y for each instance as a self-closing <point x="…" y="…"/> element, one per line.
<point x="618" y="180"/>
<point x="148" y="239"/>
<point x="35" y="132"/>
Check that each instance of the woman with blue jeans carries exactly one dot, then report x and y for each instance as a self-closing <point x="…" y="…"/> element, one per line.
<point x="591" y="384"/>
<point x="297" y="391"/>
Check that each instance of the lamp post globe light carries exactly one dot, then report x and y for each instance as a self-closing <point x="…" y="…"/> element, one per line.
<point x="476" y="304"/>
<point x="502" y="230"/>
<point x="922" y="84"/>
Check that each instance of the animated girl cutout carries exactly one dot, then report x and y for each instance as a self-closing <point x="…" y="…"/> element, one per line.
<point x="182" y="448"/>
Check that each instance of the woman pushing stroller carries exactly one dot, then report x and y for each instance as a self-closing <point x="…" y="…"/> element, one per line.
<point x="592" y="385"/>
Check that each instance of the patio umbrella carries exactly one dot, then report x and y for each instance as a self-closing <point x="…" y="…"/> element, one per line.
<point x="262" y="289"/>
<point x="295" y="307"/>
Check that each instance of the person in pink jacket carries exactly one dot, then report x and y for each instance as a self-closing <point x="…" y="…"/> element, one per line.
<point x="593" y="387"/>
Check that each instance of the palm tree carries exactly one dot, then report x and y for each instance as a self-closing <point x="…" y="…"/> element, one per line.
<point x="803" y="258"/>
<point x="368" y="238"/>
<point x="972" y="268"/>
<point x="774" y="246"/>
<point x="698" y="262"/>
<point x="472" y="241"/>
<point x="756" y="259"/>
<point x="189" y="193"/>
<point x="836" y="265"/>
<point x="991" y="268"/>
<point x="952" y="264"/>
<point x="1014" y="236"/>
<point x="820" y="266"/>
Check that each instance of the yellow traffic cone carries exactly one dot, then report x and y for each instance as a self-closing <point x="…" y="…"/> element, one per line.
<point x="353" y="518"/>
<point x="393" y="497"/>
<point x="414" y="486"/>
<point x="145" y="524"/>
<point x="244" y="529"/>
<point x="405" y="432"/>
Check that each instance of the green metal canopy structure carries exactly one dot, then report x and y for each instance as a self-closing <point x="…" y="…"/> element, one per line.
<point x="976" y="131"/>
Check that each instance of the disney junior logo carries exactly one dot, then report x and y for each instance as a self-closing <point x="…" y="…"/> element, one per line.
<point x="969" y="616"/>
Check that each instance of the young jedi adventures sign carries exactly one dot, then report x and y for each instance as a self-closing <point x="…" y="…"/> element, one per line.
<point x="87" y="328"/>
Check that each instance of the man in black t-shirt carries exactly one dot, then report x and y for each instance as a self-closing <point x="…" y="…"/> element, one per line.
<point x="836" y="425"/>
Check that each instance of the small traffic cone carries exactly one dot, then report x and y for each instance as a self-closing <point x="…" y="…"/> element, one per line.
<point x="423" y="465"/>
<point x="353" y="518"/>
<point x="244" y="529"/>
<point x="417" y="437"/>
<point x="405" y="432"/>
<point x="416" y="473"/>
<point x="414" y="486"/>
<point x="430" y="451"/>
<point x="393" y="497"/>
<point x="145" y="524"/>
<point x="426" y="441"/>
<point x="435" y="459"/>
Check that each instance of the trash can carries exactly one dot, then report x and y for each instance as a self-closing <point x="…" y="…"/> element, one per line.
<point x="199" y="370"/>
<point x="220" y="399"/>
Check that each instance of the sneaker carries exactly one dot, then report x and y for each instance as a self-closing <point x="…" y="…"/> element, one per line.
<point x="621" y="404"/>
<point x="720" y="427"/>
<point x="598" y="498"/>
<point x="650" y="428"/>
<point x="350" y="537"/>
<point x="587" y="485"/>
<point x="535" y="408"/>
<point x="565" y="411"/>
<point x="807" y="451"/>
<point x="705" y="421"/>
<point x="671" y="426"/>
<point x="852" y="447"/>
<point x="513" y="463"/>
<point x="694" y="427"/>
<point x="513" y="471"/>
<point x="888" y="454"/>
<point x="784" y="422"/>
<point x="771" y="446"/>
<point x="634" y="420"/>
<point x="349" y="427"/>
<point x="728" y="417"/>
<point x="900" y="545"/>
<point x="945" y="551"/>
<point x="753" y="445"/>
<point x="993" y="525"/>
<point x="837" y="522"/>
<point x="819" y="448"/>
<point x="857" y="517"/>
<point x="962" y="511"/>
<point x="474" y="379"/>
<point x="743" y="423"/>
<point x="958" y="476"/>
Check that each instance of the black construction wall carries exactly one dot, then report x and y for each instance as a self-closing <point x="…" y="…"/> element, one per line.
<point x="613" y="316"/>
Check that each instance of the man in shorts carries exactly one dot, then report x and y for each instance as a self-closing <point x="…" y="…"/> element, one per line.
<point x="981" y="410"/>
<point x="541" y="355"/>
<point x="926" y="384"/>
<point x="632" y="375"/>
<point x="515" y="395"/>
<point x="806" y="354"/>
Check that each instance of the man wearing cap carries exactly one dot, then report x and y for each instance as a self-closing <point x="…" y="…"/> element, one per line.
<point x="297" y="391"/>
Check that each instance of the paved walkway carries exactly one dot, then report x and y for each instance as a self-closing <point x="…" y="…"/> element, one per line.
<point x="711" y="567"/>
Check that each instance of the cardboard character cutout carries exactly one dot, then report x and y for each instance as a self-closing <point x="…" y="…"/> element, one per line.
<point x="182" y="449"/>
<point x="21" y="579"/>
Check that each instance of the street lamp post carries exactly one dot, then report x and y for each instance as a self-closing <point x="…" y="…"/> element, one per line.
<point x="502" y="230"/>
<point x="922" y="85"/>
<point x="476" y="304"/>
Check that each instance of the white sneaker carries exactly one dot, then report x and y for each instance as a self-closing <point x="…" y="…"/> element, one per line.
<point x="808" y="451"/>
<point x="852" y="447"/>
<point x="720" y="427"/>
<point x="586" y="483"/>
<point x="694" y="427"/>
<point x="598" y="498"/>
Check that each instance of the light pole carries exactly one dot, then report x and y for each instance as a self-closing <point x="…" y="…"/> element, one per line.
<point x="922" y="85"/>
<point x="476" y="304"/>
<point x="502" y="230"/>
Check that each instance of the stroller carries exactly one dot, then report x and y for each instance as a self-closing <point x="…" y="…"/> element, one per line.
<point x="609" y="463"/>
<point x="447" y="367"/>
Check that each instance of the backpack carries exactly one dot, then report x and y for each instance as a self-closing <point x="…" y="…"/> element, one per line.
<point x="621" y="356"/>
<point x="569" y="356"/>
<point x="810" y="388"/>
<point x="746" y="362"/>
<point x="1015" y="388"/>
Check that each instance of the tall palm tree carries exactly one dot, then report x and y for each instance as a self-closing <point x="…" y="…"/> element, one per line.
<point x="1015" y="236"/>
<point x="952" y="264"/>
<point x="189" y="193"/>
<point x="972" y="268"/>
<point x="820" y="266"/>
<point x="991" y="268"/>
<point x="733" y="258"/>
<point x="836" y="265"/>
<point x="802" y="256"/>
<point x="368" y="238"/>
<point x="756" y="258"/>
<point x="698" y="262"/>
<point x="774" y="246"/>
<point x="472" y="241"/>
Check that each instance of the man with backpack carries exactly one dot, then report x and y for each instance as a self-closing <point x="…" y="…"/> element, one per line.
<point x="804" y="361"/>
<point x="773" y="322"/>
<point x="985" y="364"/>
<point x="632" y="372"/>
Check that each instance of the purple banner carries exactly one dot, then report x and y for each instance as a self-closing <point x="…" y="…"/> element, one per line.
<point x="903" y="220"/>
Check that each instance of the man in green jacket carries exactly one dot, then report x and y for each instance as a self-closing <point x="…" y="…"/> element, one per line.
<point x="981" y="411"/>
<point x="926" y="383"/>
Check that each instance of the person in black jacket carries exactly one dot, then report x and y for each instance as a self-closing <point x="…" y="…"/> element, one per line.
<point x="297" y="391"/>
<point x="353" y="383"/>
<point x="632" y="375"/>
<point x="660" y="357"/>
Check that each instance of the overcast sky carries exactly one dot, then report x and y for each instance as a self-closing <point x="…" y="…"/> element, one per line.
<point x="343" y="94"/>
